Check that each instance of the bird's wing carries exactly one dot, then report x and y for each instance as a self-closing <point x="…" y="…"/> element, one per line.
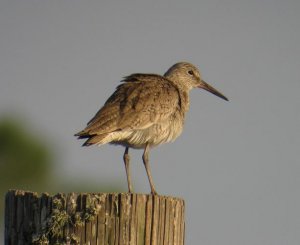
<point x="139" y="102"/>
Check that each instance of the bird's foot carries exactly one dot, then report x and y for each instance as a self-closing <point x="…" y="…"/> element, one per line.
<point x="154" y="193"/>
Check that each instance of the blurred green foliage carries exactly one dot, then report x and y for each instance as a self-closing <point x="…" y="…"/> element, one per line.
<point x="24" y="159"/>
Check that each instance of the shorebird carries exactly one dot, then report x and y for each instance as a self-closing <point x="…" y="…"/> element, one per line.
<point x="146" y="110"/>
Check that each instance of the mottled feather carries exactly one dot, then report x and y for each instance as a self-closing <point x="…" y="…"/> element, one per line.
<point x="139" y="102"/>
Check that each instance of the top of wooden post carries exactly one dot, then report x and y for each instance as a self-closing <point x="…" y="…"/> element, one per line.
<point x="93" y="218"/>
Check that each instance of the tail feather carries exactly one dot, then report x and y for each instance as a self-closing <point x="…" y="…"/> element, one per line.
<point x="82" y="134"/>
<point x="94" y="139"/>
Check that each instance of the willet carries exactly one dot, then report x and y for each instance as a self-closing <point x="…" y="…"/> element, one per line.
<point x="146" y="110"/>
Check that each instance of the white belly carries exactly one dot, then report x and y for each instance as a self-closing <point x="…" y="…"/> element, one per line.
<point x="157" y="134"/>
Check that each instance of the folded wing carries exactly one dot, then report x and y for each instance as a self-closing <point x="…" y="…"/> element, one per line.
<point x="139" y="102"/>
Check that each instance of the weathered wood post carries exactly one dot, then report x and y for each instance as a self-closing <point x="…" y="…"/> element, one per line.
<point x="95" y="218"/>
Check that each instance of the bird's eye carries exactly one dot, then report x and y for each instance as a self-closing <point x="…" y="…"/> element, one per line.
<point x="190" y="72"/>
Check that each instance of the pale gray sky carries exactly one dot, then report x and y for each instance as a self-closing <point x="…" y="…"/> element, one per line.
<point x="237" y="162"/>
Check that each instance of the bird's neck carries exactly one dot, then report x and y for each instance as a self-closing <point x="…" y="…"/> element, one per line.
<point x="184" y="98"/>
<point x="184" y="102"/>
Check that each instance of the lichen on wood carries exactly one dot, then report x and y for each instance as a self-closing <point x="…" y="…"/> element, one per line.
<point x="64" y="218"/>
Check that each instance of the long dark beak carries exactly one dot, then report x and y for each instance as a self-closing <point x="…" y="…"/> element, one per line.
<point x="209" y="88"/>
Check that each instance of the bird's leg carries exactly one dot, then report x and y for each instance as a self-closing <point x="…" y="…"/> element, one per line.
<point x="126" y="158"/>
<point x="146" y="163"/>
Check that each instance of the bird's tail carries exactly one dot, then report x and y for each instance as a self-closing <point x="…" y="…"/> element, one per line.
<point x="93" y="139"/>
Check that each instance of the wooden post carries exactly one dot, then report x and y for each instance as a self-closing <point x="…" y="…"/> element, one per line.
<point x="95" y="218"/>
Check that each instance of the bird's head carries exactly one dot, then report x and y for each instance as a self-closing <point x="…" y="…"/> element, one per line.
<point x="187" y="77"/>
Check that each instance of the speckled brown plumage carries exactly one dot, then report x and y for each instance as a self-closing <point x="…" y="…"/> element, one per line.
<point x="145" y="110"/>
